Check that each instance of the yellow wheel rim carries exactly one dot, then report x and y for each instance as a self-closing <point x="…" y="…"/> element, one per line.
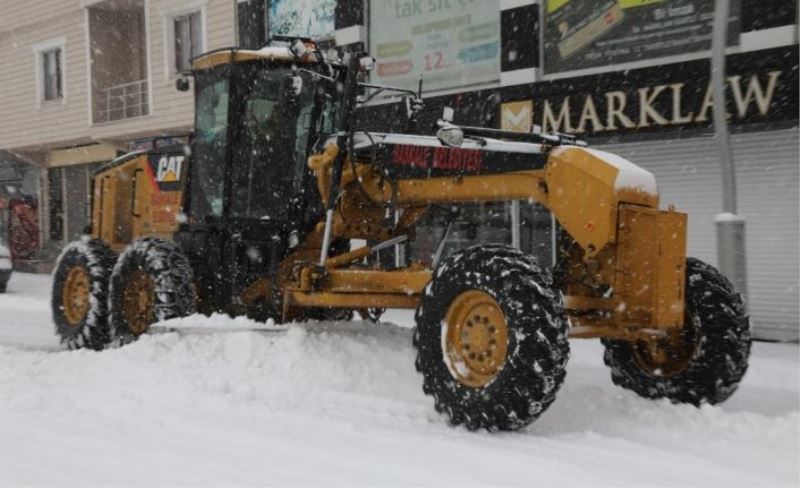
<point x="75" y="295"/>
<point x="138" y="302"/>
<point x="475" y="341"/>
<point x="671" y="355"/>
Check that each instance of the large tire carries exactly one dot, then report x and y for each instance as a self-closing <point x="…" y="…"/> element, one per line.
<point x="711" y="356"/>
<point x="152" y="281"/>
<point x="510" y="285"/>
<point x="79" y="300"/>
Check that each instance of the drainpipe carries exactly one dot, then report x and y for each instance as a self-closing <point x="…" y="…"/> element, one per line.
<point x="730" y="225"/>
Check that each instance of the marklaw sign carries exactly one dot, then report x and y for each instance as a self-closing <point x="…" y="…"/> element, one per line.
<point x="761" y="87"/>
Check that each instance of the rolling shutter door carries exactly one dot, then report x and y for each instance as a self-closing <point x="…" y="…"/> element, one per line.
<point x="688" y="175"/>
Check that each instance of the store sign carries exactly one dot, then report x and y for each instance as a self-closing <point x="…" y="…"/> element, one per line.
<point x="517" y="116"/>
<point x="761" y="87"/>
<point x="581" y="34"/>
<point x="303" y="18"/>
<point x="449" y="43"/>
<point x="658" y="105"/>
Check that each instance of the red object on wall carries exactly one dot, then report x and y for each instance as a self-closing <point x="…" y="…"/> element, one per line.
<point x="23" y="232"/>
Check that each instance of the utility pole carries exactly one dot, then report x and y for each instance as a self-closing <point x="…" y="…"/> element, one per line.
<point x="515" y="223"/>
<point x="730" y="225"/>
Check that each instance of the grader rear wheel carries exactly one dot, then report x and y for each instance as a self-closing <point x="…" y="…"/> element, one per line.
<point x="75" y="295"/>
<point x="138" y="302"/>
<point x="151" y="281"/>
<point x="491" y="338"/>
<point x="80" y="294"/>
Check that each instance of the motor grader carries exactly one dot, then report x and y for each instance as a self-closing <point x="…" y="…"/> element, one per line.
<point x="257" y="216"/>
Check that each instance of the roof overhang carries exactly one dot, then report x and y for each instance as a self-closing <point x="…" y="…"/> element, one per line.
<point x="93" y="153"/>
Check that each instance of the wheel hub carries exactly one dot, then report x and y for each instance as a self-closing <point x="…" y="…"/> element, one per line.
<point x="476" y="338"/>
<point x="75" y="295"/>
<point x="138" y="302"/>
<point x="670" y="355"/>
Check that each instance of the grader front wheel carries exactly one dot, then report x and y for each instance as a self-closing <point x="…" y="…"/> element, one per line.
<point x="476" y="341"/>
<point x="705" y="362"/>
<point x="670" y="355"/>
<point x="491" y="338"/>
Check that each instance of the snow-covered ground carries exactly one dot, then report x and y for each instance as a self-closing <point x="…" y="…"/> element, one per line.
<point x="341" y="404"/>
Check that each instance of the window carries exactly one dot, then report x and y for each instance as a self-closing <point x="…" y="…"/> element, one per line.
<point x="210" y="146"/>
<point x="188" y="35"/>
<point x="270" y="157"/>
<point x="50" y="62"/>
<point x="51" y="74"/>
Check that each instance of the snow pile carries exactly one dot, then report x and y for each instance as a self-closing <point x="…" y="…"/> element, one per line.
<point x="216" y="323"/>
<point x="340" y="404"/>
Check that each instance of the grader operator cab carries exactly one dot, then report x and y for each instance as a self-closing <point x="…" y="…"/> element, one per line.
<point x="258" y="215"/>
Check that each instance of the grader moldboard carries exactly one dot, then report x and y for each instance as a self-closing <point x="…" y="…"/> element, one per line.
<point x="257" y="217"/>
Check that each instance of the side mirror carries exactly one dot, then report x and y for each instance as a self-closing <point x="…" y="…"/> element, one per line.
<point x="450" y="135"/>
<point x="367" y="63"/>
<point x="182" y="84"/>
<point x="298" y="49"/>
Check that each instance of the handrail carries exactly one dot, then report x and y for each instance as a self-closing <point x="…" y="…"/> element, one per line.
<point x="124" y="101"/>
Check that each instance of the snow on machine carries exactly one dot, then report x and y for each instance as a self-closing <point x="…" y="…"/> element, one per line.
<point x="257" y="218"/>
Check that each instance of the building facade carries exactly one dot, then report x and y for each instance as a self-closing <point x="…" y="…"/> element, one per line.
<point x="85" y="81"/>
<point x="88" y="79"/>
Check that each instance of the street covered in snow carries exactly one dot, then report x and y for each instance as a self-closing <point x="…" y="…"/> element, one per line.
<point x="341" y="404"/>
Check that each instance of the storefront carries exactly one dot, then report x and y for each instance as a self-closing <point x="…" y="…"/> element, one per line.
<point x="659" y="118"/>
<point x="630" y="77"/>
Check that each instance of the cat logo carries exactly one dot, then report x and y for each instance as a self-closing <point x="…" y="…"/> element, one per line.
<point x="169" y="169"/>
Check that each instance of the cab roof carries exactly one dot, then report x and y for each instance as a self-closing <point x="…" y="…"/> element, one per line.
<point x="235" y="55"/>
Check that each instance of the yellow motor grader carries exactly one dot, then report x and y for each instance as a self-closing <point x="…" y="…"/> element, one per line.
<point x="257" y="214"/>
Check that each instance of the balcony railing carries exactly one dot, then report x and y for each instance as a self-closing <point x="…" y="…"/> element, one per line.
<point x="124" y="101"/>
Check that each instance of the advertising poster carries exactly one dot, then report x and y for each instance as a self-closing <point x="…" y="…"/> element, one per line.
<point x="303" y="18"/>
<point x="450" y="43"/>
<point x="581" y="34"/>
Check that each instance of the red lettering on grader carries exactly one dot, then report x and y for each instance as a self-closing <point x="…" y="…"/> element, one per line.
<point x="417" y="156"/>
<point x="468" y="160"/>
